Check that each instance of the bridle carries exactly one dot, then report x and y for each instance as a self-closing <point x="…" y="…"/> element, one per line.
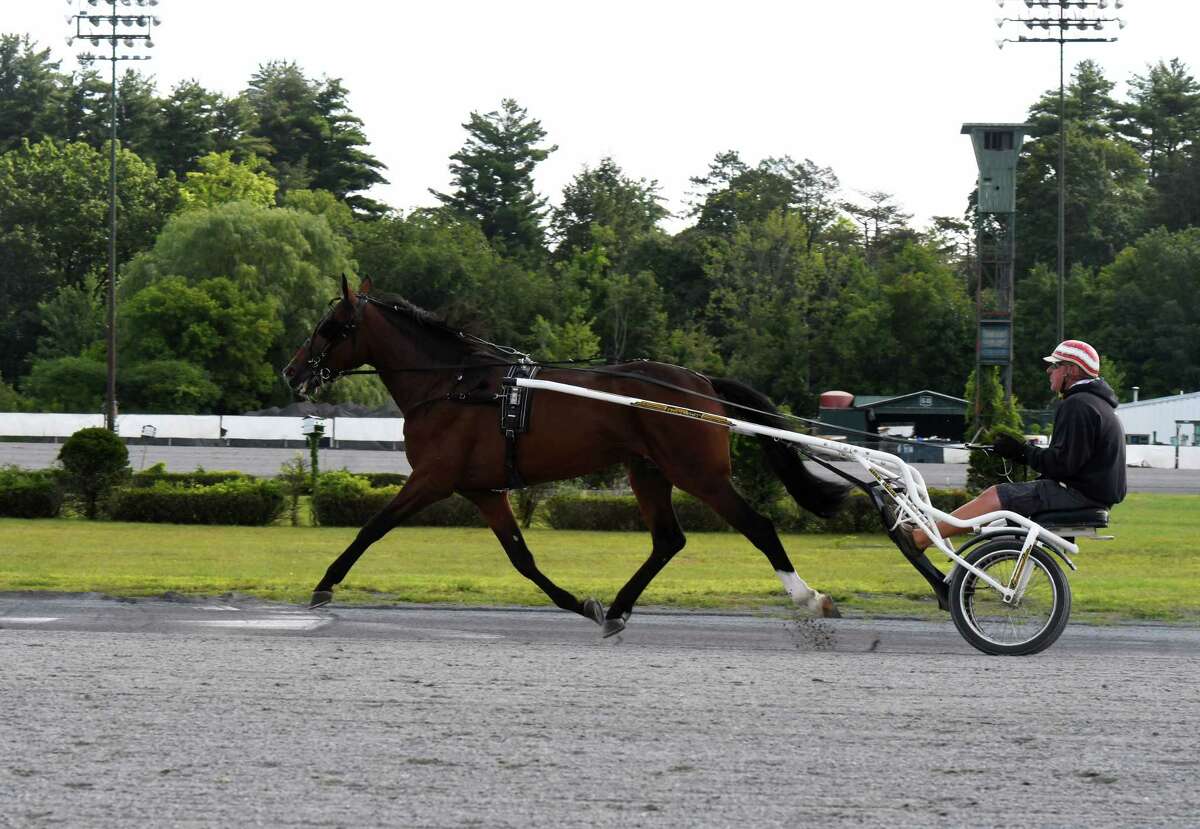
<point x="334" y="332"/>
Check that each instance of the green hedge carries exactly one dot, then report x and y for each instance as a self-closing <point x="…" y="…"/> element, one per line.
<point x="198" y="477"/>
<point x="242" y="501"/>
<point x="580" y="511"/>
<point x="577" y="511"/>
<point x="343" y="499"/>
<point x="29" y="493"/>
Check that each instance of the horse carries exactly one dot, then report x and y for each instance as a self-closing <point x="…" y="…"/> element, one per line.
<point x="439" y="377"/>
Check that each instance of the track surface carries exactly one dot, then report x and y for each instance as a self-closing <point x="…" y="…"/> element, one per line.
<point x="236" y="712"/>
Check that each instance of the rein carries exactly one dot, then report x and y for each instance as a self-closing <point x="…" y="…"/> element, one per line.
<point x="347" y="330"/>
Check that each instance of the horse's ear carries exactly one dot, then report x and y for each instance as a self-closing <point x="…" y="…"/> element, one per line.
<point x="365" y="286"/>
<point x="346" y="295"/>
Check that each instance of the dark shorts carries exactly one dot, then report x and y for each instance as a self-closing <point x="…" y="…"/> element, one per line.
<point x="1032" y="497"/>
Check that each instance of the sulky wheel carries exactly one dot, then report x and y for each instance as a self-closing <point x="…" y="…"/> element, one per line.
<point x="988" y="623"/>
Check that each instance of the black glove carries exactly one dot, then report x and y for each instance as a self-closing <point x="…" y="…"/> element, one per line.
<point x="1009" y="447"/>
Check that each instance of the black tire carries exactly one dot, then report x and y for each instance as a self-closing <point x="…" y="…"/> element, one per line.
<point x="1002" y="629"/>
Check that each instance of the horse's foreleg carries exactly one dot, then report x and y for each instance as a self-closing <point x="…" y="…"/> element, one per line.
<point x="415" y="496"/>
<point x="496" y="511"/>
<point x="731" y="506"/>
<point x="653" y="493"/>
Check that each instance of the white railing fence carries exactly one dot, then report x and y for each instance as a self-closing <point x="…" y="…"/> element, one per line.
<point x="187" y="428"/>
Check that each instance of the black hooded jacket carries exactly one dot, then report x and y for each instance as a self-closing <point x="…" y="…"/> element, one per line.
<point x="1087" y="449"/>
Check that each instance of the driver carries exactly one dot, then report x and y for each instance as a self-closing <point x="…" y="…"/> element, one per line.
<point x="1084" y="465"/>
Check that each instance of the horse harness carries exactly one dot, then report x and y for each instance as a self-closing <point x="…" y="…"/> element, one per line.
<point x="516" y="406"/>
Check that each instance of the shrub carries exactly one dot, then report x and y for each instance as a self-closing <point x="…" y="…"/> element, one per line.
<point x="94" y="460"/>
<point x="296" y="478"/>
<point x="245" y="502"/>
<point x="29" y="494"/>
<point x="579" y="511"/>
<point x="380" y="479"/>
<point x="346" y="500"/>
<point x="158" y="474"/>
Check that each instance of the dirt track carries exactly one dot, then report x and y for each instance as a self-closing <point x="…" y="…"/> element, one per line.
<point x="167" y="714"/>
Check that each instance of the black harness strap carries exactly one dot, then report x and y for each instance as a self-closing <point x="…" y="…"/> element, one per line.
<point x="516" y="404"/>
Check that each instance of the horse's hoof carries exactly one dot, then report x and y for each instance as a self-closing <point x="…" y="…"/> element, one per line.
<point x="828" y="608"/>
<point x="320" y="598"/>
<point x="594" y="610"/>
<point x="612" y="627"/>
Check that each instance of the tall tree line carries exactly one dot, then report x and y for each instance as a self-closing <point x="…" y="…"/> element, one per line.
<point x="236" y="211"/>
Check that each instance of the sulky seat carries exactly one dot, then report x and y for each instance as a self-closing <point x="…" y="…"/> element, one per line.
<point x="1070" y="523"/>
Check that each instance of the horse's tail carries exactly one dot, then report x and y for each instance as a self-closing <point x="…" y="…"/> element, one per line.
<point x="815" y="494"/>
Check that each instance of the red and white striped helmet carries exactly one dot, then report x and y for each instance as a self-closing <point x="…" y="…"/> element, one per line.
<point x="1079" y="353"/>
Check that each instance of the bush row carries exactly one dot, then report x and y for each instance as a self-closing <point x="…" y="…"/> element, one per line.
<point x="29" y="494"/>
<point x="579" y="511"/>
<point x="158" y="474"/>
<point x="343" y="499"/>
<point x="242" y="501"/>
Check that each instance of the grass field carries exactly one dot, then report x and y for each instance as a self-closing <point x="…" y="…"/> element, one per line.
<point x="1151" y="571"/>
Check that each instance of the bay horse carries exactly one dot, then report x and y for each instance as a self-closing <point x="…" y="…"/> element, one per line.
<point x="438" y="376"/>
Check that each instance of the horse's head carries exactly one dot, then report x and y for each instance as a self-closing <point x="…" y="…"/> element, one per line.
<point x="333" y="346"/>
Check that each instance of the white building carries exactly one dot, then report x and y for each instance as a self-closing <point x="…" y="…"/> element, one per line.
<point x="1160" y="420"/>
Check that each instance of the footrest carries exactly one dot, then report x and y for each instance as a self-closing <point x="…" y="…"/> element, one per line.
<point x="1094" y="518"/>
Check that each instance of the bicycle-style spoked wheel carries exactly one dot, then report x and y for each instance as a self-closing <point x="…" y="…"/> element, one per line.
<point x="996" y="627"/>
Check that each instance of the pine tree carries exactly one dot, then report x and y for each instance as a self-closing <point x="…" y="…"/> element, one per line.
<point x="493" y="178"/>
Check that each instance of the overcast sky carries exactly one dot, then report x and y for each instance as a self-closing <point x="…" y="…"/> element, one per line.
<point x="875" y="89"/>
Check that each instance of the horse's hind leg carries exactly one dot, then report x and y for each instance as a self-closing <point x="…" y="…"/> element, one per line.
<point x="730" y="505"/>
<point x="498" y="514"/>
<point x="653" y="492"/>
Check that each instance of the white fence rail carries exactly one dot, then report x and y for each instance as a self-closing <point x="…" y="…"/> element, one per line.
<point x="187" y="428"/>
<point x="1163" y="457"/>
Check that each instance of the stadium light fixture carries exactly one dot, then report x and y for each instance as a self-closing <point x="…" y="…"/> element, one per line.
<point x="1090" y="15"/>
<point x="140" y="29"/>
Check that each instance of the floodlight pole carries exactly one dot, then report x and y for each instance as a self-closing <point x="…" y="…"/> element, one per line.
<point x="1064" y="24"/>
<point x="142" y="26"/>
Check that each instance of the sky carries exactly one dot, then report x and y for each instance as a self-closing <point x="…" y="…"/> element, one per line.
<point x="875" y="89"/>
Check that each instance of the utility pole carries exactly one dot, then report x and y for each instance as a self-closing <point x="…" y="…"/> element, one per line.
<point x="1087" y="17"/>
<point x="116" y="30"/>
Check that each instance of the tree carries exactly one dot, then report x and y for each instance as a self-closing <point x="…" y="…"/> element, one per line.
<point x="213" y="324"/>
<point x="284" y="256"/>
<point x="1148" y="311"/>
<point x="764" y="280"/>
<point x="93" y="460"/>
<point x="168" y="386"/>
<point x="71" y="320"/>
<point x="492" y="178"/>
<point x="733" y="193"/>
<point x="315" y="139"/>
<point x="220" y="180"/>
<point x="195" y="122"/>
<point x="432" y="258"/>
<point x="1162" y="121"/>
<point x="606" y="197"/>
<point x="323" y="203"/>
<point x="30" y="94"/>
<point x="67" y="384"/>
<point x="1106" y="189"/>
<point x="879" y="218"/>
<point x="574" y="339"/>
<point x="1162" y="115"/>
<point x="995" y="417"/>
<point x="54" y="228"/>
<point x="814" y="189"/>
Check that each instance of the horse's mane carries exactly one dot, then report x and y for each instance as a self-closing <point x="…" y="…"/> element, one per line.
<point x="433" y="323"/>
